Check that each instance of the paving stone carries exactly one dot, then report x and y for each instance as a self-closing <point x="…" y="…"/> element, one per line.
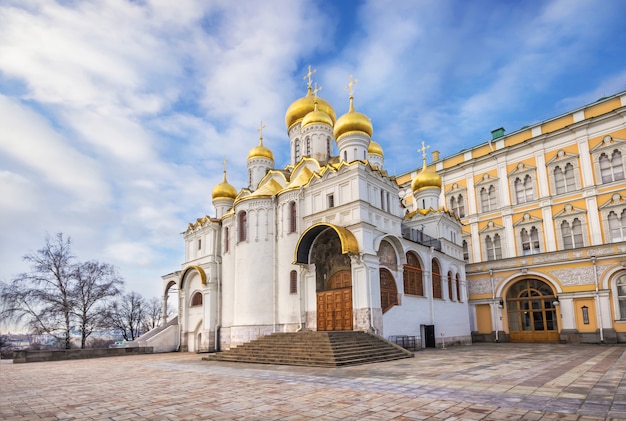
<point x="481" y="381"/>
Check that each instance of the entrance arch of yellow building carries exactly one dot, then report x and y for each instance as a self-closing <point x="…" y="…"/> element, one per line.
<point x="530" y="310"/>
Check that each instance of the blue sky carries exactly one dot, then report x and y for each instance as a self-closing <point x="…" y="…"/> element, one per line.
<point x="115" y="116"/>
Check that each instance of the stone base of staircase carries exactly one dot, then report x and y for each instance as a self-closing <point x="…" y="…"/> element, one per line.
<point x="317" y="349"/>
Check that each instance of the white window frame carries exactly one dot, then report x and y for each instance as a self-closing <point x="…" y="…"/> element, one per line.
<point x="616" y="205"/>
<point x="528" y="222"/>
<point x="561" y="160"/>
<point x="490" y="184"/>
<point x="607" y="147"/>
<point x="570" y="214"/>
<point x="489" y="233"/>
<point x="459" y="196"/>
<point x="522" y="182"/>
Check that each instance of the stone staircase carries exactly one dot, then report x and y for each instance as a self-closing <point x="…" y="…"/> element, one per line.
<point x="317" y="349"/>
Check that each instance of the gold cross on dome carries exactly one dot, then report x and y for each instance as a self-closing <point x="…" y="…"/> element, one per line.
<point x="260" y="130"/>
<point x="307" y="77"/>
<point x="316" y="89"/>
<point x="350" y="86"/>
<point x="423" y="150"/>
<point x="224" y="163"/>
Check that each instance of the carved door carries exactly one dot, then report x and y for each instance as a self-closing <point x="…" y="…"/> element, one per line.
<point x="334" y="306"/>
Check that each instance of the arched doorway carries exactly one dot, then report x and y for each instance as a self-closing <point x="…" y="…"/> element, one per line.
<point x="531" y="312"/>
<point x="333" y="283"/>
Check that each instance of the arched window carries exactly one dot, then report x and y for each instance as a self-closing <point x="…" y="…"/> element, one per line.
<point x="226" y="239"/>
<point x="572" y="234"/>
<point x="465" y="251"/>
<point x="293" y="282"/>
<point x="459" y="297"/>
<point x="297" y="150"/>
<point x="292" y="217"/>
<point x="450" y="286"/>
<point x="530" y="242"/>
<point x="524" y="189"/>
<point x="388" y="290"/>
<point x="243" y="226"/>
<point x="437" y="293"/>
<point x="493" y="247"/>
<point x="345" y="155"/>
<point x="308" y="146"/>
<point x="488" y="198"/>
<point x="611" y="169"/>
<point x="617" y="226"/>
<point x="413" y="275"/>
<point x="453" y="203"/>
<point x="559" y="180"/>
<point x="329" y="151"/>
<point x="461" y="206"/>
<point x="621" y="296"/>
<point x="196" y="300"/>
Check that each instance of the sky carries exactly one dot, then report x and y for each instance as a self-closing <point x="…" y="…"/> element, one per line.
<point x="116" y="115"/>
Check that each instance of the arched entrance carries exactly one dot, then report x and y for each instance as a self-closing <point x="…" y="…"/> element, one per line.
<point x="333" y="276"/>
<point x="531" y="312"/>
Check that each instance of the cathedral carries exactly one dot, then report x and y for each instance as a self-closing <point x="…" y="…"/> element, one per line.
<point x="518" y="239"/>
<point x="329" y="242"/>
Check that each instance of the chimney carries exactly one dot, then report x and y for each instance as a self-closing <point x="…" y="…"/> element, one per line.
<point x="497" y="133"/>
<point x="435" y="156"/>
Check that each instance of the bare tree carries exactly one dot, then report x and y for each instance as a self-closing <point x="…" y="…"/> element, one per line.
<point x="152" y="314"/>
<point x="58" y="292"/>
<point x="42" y="298"/>
<point x="127" y="314"/>
<point x="95" y="282"/>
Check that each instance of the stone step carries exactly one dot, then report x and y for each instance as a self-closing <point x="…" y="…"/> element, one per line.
<point x="322" y="349"/>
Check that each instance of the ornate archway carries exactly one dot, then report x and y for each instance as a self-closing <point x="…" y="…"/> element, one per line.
<point x="531" y="312"/>
<point x="333" y="276"/>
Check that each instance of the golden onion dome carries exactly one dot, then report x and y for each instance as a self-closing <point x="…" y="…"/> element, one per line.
<point x="375" y="149"/>
<point x="426" y="179"/>
<point x="303" y="106"/>
<point x="260" y="151"/>
<point x="353" y="121"/>
<point x="224" y="190"/>
<point x="316" y="117"/>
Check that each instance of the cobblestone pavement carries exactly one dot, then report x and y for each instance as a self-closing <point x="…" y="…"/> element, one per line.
<point x="477" y="382"/>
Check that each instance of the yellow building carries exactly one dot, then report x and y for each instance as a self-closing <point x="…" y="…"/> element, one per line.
<point x="544" y="227"/>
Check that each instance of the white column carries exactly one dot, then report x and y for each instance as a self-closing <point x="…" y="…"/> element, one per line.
<point x="509" y="236"/>
<point x="586" y="165"/>
<point x="594" y="221"/>
<point x="542" y="176"/>
<point x="548" y="227"/>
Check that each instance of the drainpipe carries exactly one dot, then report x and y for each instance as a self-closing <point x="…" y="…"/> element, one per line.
<point x="597" y="299"/>
<point x="494" y="312"/>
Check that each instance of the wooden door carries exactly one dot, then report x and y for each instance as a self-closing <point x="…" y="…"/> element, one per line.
<point x="334" y="309"/>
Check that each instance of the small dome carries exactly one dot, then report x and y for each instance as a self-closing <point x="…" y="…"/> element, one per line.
<point x="316" y="117"/>
<point x="353" y="121"/>
<point x="301" y="107"/>
<point x="375" y="149"/>
<point x="260" y="151"/>
<point x="224" y="190"/>
<point x="426" y="179"/>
